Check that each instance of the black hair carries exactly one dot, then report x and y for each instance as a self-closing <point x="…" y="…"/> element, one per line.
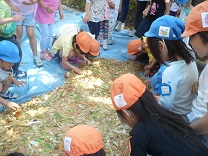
<point x="176" y="48"/>
<point x="147" y="109"/>
<point x="101" y="152"/>
<point x="204" y="36"/>
<point x="16" y="154"/>
<point x="74" y="41"/>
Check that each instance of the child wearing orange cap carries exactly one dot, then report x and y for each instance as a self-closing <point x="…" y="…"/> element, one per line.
<point x="197" y="28"/>
<point x="69" y="46"/>
<point x="139" y="48"/>
<point x="155" y="130"/>
<point x="83" y="140"/>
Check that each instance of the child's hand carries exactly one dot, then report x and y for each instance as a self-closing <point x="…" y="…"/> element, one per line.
<point x="147" y="82"/>
<point x="147" y="67"/>
<point x="132" y="59"/>
<point x="77" y="70"/>
<point x="86" y="18"/>
<point x="146" y="73"/>
<point x="29" y="3"/>
<point x="111" y="5"/>
<point x="18" y="83"/>
<point x="18" y="17"/>
<point x="86" y="60"/>
<point x="145" y="12"/>
<point x="195" y="88"/>
<point x="61" y="15"/>
<point x="12" y="105"/>
<point x="49" y="10"/>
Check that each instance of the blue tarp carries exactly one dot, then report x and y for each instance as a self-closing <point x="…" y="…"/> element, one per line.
<point x="51" y="75"/>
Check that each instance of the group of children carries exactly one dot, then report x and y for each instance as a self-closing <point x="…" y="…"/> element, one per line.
<point x="165" y="122"/>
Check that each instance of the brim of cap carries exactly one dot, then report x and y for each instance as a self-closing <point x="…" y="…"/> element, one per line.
<point x="84" y="49"/>
<point x="182" y="2"/>
<point x="148" y="34"/>
<point x="94" y="53"/>
<point x="132" y="53"/>
<point x="188" y="33"/>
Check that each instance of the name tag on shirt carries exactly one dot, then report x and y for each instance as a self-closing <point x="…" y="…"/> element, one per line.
<point x="164" y="89"/>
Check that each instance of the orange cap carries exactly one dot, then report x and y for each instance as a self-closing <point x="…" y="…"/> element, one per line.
<point x="94" y="47"/>
<point x="197" y="20"/>
<point x="133" y="46"/>
<point x="126" y="90"/>
<point x="83" y="40"/>
<point x="82" y="139"/>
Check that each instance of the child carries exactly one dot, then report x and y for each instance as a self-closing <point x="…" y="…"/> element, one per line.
<point x="93" y="15"/>
<point x="83" y="140"/>
<point x="185" y="10"/>
<point x="135" y="48"/>
<point x="94" y="49"/>
<point x="156" y="9"/>
<point x="175" y="9"/>
<point x="68" y="46"/>
<point x="123" y="14"/>
<point x="139" y="48"/>
<point x="141" y="5"/>
<point x="155" y="130"/>
<point x="7" y="32"/>
<point x="114" y="9"/>
<point x="166" y="45"/>
<point x="9" y="54"/>
<point x="197" y="29"/>
<point x="27" y="11"/>
<point x="45" y="16"/>
<point x="104" y="25"/>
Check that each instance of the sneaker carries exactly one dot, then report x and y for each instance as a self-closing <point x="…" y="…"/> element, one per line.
<point x="110" y="41"/>
<point x="8" y="95"/>
<point x="20" y="74"/>
<point x="132" y="33"/>
<point x="105" y="45"/>
<point x="38" y="62"/>
<point x="120" y="26"/>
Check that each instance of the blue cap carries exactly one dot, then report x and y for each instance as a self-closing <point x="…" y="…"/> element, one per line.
<point x="181" y="1"/>
<point x="9" y="52"/>
<point x="166" y="27"/>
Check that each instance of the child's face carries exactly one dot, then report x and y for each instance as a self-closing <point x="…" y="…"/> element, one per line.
<point x="6" y="65"/>
<point x="198" y="45"/>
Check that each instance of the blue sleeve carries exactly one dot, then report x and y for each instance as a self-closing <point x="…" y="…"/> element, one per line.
<point x="174" y="81"/>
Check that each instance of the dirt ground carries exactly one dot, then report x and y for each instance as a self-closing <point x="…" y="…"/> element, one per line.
<point x="84" y="99"/>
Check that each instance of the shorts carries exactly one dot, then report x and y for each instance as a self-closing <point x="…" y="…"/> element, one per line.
<point x="58" y="54"/>
<point x="28" y="21"/>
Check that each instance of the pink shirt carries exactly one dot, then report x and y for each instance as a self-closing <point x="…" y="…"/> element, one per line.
<point x="24" y="9"/>
<point x="42" y="16"/>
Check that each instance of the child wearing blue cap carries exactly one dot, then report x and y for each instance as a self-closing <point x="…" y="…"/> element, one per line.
<point x="9" y="55"/>
<point x="166" y="45"/>
<point x="7" y="32"/>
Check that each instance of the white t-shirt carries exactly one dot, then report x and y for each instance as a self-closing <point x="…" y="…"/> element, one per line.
<point x="4" y="75"/>
<point x="181" y="77"/>
<point x="200" y="104"/>
<point x="175" y="7"/>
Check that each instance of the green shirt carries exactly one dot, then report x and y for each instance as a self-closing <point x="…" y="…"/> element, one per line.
<point x="6" y="30"/>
